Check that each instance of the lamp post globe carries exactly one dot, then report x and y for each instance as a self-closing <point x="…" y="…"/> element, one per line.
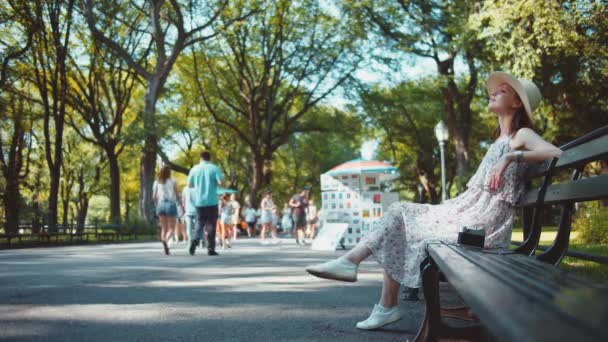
<point x="442" y="134"/>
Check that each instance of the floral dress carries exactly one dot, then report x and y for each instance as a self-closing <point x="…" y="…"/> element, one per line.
<point x="398" y="240"/>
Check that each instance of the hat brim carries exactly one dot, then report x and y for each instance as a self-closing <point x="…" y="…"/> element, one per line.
<point x="499" y="77"/>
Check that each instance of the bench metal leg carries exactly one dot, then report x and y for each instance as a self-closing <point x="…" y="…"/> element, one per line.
<point x="433" y="328"/>
<point x="462" y="313"/>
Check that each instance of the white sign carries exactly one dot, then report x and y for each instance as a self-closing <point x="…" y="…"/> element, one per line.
<point x="329" y="236"/>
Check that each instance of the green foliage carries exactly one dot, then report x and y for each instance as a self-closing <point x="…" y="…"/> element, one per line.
<point x="269" y="79"/>
<point x="562" y="47"/>
<point x="591" y="221"/>
<point x="139" y="226"/>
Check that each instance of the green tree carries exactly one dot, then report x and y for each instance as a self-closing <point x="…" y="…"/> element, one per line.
<point x="153" y="34"/>
<point x="49" y="57"/>
<point x="561" y="45"/>
<point x="100" y="96"/>
<point x="262" y="77"/>
<point x="436" y="30"/>
<point x="405" y="115"/>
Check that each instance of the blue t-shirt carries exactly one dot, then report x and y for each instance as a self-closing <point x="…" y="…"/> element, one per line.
<point x="250" y="214"/>
<point x="204" y="178"/>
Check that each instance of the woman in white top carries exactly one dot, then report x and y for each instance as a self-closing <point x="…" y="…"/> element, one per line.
<point x="250" y="215"/>
<point x="286" y="222"/>
<point x="189" y="212"/>
<point x="225" y="207"/>
<point x="268" y="208"/>
<point x="166" y="199"/>
<point x="312" y="215"/>
<point x="236" y="214"/>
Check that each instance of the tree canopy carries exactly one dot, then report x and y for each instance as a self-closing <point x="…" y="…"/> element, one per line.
<point x="94" y="95"/>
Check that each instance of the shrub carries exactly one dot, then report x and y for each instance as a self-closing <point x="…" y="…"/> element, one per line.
<point x="139" y="226"/>
<point x="591" y="220"/>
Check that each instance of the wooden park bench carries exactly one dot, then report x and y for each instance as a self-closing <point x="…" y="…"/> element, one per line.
<point x="520" y="294"/>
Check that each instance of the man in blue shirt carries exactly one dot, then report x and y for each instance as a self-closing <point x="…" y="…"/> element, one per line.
<point x="203" y="180"/>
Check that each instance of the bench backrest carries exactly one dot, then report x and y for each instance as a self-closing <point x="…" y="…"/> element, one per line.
<point x="576" y="155"/>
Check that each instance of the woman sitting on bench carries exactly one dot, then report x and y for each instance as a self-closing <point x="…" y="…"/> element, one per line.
<point x="398" y="240"/>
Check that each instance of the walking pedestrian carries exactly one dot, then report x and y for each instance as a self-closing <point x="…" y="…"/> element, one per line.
<point x="165" y="197"/>
<point x="203" y="179"/>
<point x="189" y="213"/>
<point x="236" y="214"/>
<point x="225" y="209"/>
<point x="286" y="221"/>
<point x="267" y="207"/>
<point x="250" y="217"/>
<point x="312" y="216"/>
<point x="299" y="203"/>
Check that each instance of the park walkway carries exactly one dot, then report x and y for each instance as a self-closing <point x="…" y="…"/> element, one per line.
<point x="131" y="292"/>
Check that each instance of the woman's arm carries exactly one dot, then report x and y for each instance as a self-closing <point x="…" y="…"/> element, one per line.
<point x="536" y="149"/>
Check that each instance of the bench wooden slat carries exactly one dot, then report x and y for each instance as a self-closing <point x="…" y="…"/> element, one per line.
<point x="586" y="189"/>
<point x="520" y="308"/>
<point x="596" y="149"/>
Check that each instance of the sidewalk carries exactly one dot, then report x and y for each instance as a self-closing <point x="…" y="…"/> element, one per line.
<point x="131" y="292"/>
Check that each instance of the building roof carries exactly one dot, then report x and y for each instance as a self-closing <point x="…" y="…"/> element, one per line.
<point x="363" y="166"/>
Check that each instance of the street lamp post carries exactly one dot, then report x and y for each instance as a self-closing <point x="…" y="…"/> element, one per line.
<point x="420" y="189"/>
<point x="442" y="134"/>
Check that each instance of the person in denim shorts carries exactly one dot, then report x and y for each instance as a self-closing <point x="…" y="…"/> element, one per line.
<point x="165" y="197"/>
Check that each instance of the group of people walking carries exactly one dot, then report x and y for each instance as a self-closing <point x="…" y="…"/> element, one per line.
<point x="199" y="205"/>
<point x="299" y="217"/>
<point x="205" y="215"/>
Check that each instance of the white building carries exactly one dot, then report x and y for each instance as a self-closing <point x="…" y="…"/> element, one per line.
<point x="357" y="193"/>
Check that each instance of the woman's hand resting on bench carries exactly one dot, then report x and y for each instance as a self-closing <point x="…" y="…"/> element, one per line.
<point x="536" y="150"/>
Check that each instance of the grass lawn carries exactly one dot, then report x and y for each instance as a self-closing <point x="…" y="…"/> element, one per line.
<point x="590" y="269"/>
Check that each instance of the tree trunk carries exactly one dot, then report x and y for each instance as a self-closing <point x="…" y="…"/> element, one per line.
<point x="83" y="202"/>
<point x="456" y="123"/>
<point x="114" y="186"/>
<point x="66" y="192"/>
<point x="11" y="205"/>
<point x="127" y="206"/>
<point x="148" y="158"/>
<point x="53" y="198"/>
<point x="256" y="180"/>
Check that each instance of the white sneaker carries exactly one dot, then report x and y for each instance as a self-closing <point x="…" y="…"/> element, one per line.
<point x="338" y="269"/>
<point x="380" y="317"/>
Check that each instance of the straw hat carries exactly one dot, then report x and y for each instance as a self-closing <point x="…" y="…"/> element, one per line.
<point x="528" y="91"/>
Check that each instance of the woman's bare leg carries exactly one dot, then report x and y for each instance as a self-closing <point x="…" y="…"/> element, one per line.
<point x="313" y="230"/>
<point x="221" y="233"/>
<point x="359" y="253"/>
<point x="162" y="219"/>
<point x="172" y="228"/>
<point x="273" y="232"/>
<point x="263" y="231"/>
<point x="228" y="234"/>
<point x="182" y="230"/>
<point x="390" y="291"/>
<point x="301" y="236"/>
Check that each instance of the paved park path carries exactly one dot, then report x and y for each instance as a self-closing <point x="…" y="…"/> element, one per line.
<point x="131" y="292"/>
